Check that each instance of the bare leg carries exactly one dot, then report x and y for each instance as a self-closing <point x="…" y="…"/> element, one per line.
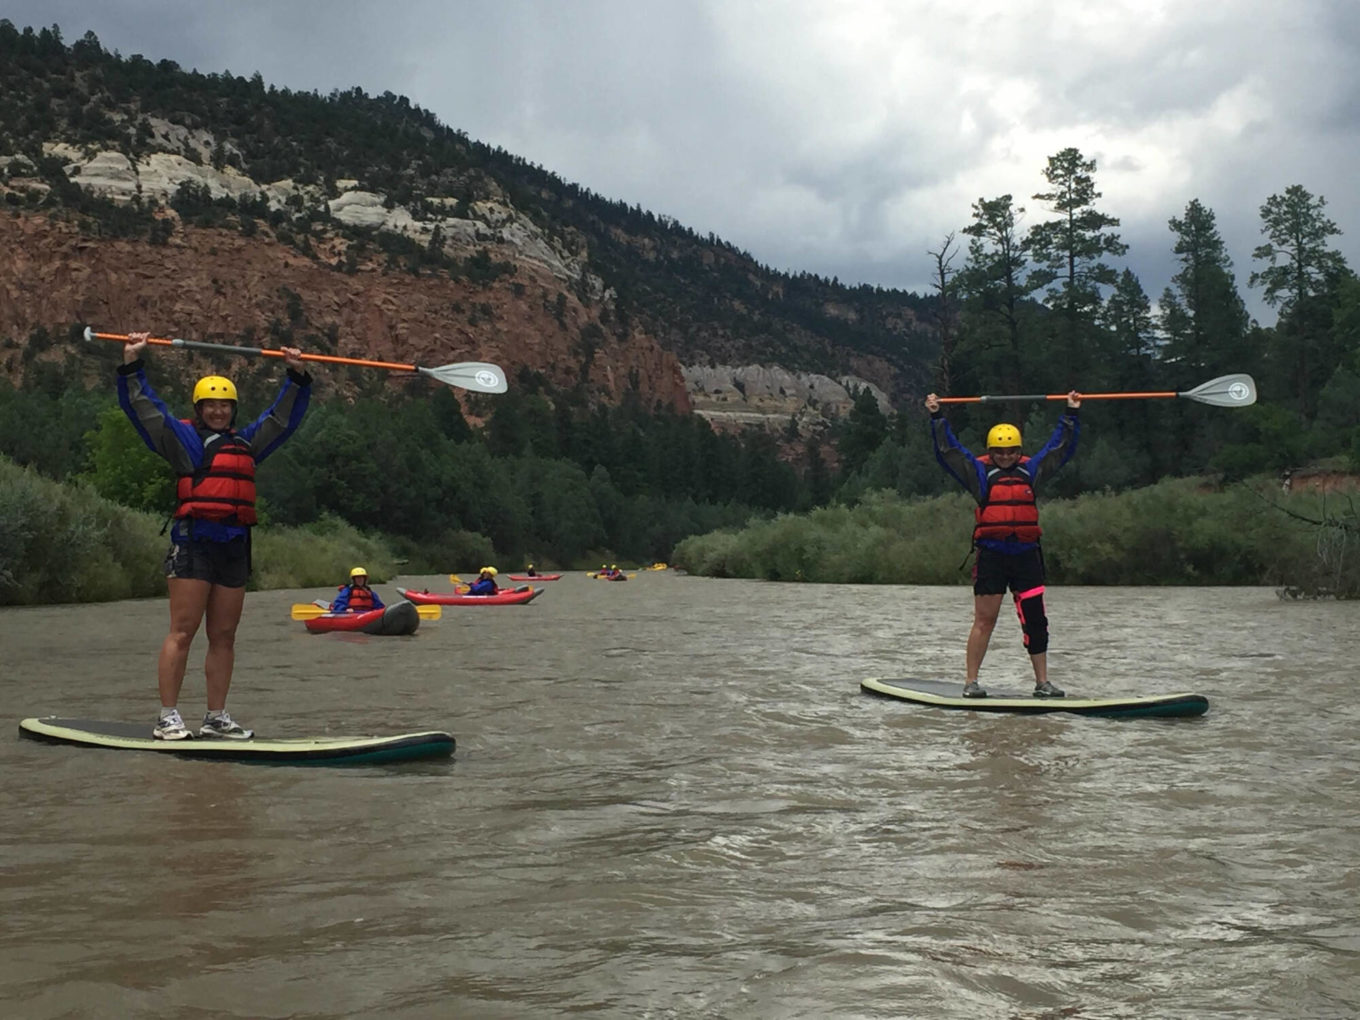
<point x="188" y="600"/>
<point x="1040" y="664"/>
<point x="985" y="610"/>
<point x="224" y="614"/>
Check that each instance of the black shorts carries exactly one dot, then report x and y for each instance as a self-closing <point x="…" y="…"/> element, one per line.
<point x="224" y="563"/>
<point x="994" y="572"/>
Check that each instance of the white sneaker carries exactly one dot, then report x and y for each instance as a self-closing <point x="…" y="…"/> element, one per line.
<point x="224" y="726"/>
<point x="171" y="727"/>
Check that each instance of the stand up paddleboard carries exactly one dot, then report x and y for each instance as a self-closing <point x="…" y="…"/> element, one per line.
<point x="942" y="694"/>
<point x="123" y="736"/>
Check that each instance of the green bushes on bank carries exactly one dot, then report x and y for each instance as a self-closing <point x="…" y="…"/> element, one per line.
<point x="65" y="543"/>
<point x="1181" y="531"/>
<point x="317" y="555"/>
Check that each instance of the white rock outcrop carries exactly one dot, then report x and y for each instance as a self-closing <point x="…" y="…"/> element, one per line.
<point x="755" y="394"/>
<point x="158" y="175"/>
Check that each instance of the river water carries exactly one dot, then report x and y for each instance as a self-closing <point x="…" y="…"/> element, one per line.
<point x="670" y="799"/>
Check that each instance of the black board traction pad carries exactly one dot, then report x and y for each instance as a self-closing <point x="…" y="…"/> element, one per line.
<point x="949" y="694"/>
<point x="323" y="750"/>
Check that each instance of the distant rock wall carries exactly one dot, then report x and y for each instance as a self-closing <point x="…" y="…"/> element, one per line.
<point x="769" y="396"/>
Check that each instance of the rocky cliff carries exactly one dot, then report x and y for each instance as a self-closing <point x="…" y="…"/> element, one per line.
<point x="734" y="397"/>
<point x="220" y="284"/>
<point x="246" y="278"/>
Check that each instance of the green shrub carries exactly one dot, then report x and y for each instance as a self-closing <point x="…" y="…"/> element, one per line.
<point x="1180" y="531"/>
<point x="66" y="543"/>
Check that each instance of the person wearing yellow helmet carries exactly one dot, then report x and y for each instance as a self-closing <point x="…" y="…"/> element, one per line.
<point x="531" y="572"/>
<point x="485" y="583"/>
<point x="1006" y="532"/>
<point x="357" y="596"/>
<point x="209" y="559"/>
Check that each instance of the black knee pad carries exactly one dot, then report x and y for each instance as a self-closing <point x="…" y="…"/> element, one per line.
<point x="1029" y="606"/>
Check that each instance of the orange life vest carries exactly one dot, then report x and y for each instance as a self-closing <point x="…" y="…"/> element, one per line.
<point x="360" y="599"/>
<point x="223" y="489"/>
<point x="1009" y="512"/>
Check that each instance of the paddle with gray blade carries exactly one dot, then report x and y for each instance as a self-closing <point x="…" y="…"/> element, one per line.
<point x="478" y="376"/>
<point x="1237" y="390"/>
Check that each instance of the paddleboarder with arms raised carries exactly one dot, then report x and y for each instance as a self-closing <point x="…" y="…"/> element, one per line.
<point x="1006" y="532"/>
<point x="209" y="559"/>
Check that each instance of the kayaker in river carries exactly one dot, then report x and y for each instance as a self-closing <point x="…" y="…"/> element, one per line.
<point x="1006" y="532"/>
<point x="357" y="596"/>
<point x="485" y="583"/>
<point x="209" y="558"/>
<point x="531" y="571"/>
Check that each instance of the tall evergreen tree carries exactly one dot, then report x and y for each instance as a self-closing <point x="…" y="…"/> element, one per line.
<point x="1069" y="253"/>
<point x="993" y="285"/>
<point x="1300" y="273"/>
<point x="865" y="429"/>
<point x="1202" y="315"/>
<point x="1132" y="327"/>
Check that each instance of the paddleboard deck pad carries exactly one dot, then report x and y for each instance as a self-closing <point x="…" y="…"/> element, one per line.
<point x="125" y="736"/>
<point x="949" y="694"/>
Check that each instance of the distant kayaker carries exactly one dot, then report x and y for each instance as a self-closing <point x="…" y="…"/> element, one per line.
<point x="1006" y="532"/>
<point x="485" y="583"/>
<point x="531" y="571"/>
<point x="357" y="596"/>
<point x="209" y="558"/>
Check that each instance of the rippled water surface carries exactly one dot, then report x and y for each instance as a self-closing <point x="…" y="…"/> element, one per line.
<point x="670" y="799"/>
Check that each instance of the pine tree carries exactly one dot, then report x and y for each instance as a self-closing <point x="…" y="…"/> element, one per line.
<point x="1301" y="274"/>
<point x="1069" y="253"/>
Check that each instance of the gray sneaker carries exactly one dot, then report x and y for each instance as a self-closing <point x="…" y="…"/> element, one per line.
<point x="973" y="689"/>
<point x="224" y="726"/>
<point x="171" y="727"/>
<point x="1047" y="690"/>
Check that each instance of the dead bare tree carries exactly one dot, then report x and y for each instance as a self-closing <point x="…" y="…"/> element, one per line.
<point x="946" y="316"/>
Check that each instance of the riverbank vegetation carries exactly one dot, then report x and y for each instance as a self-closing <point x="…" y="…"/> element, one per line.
<point x="1183" y="531"/>
<point x="63" y="542"/>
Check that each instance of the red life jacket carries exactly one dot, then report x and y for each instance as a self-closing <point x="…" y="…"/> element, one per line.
<point x="223" y="489"/>
<point x="1009" y="513"/>
<point x="360" y="599"/>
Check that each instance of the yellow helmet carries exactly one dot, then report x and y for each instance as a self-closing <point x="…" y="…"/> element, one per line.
<point x="214" y="387"/>
<point x="1003" y="437"/>
<point x="358" y="572"/>
<point x="489" y="570"/>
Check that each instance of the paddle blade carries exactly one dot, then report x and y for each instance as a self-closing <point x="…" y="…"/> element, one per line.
<point x="455" y="579"/>
<point x="479" y="376"/>
<point x="310" y="611"/>
<point x="1237" y="390"/>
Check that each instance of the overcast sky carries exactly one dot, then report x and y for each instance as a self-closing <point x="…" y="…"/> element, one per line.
<point x="845" y="138"/>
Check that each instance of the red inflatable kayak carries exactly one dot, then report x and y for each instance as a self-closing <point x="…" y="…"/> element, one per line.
<point x="513" y="597"/>
<point x="398" y="618"/>
<point x="533" y="577"/>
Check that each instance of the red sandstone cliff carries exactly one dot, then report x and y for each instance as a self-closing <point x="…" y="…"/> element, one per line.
<point x="219" y="285"/>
